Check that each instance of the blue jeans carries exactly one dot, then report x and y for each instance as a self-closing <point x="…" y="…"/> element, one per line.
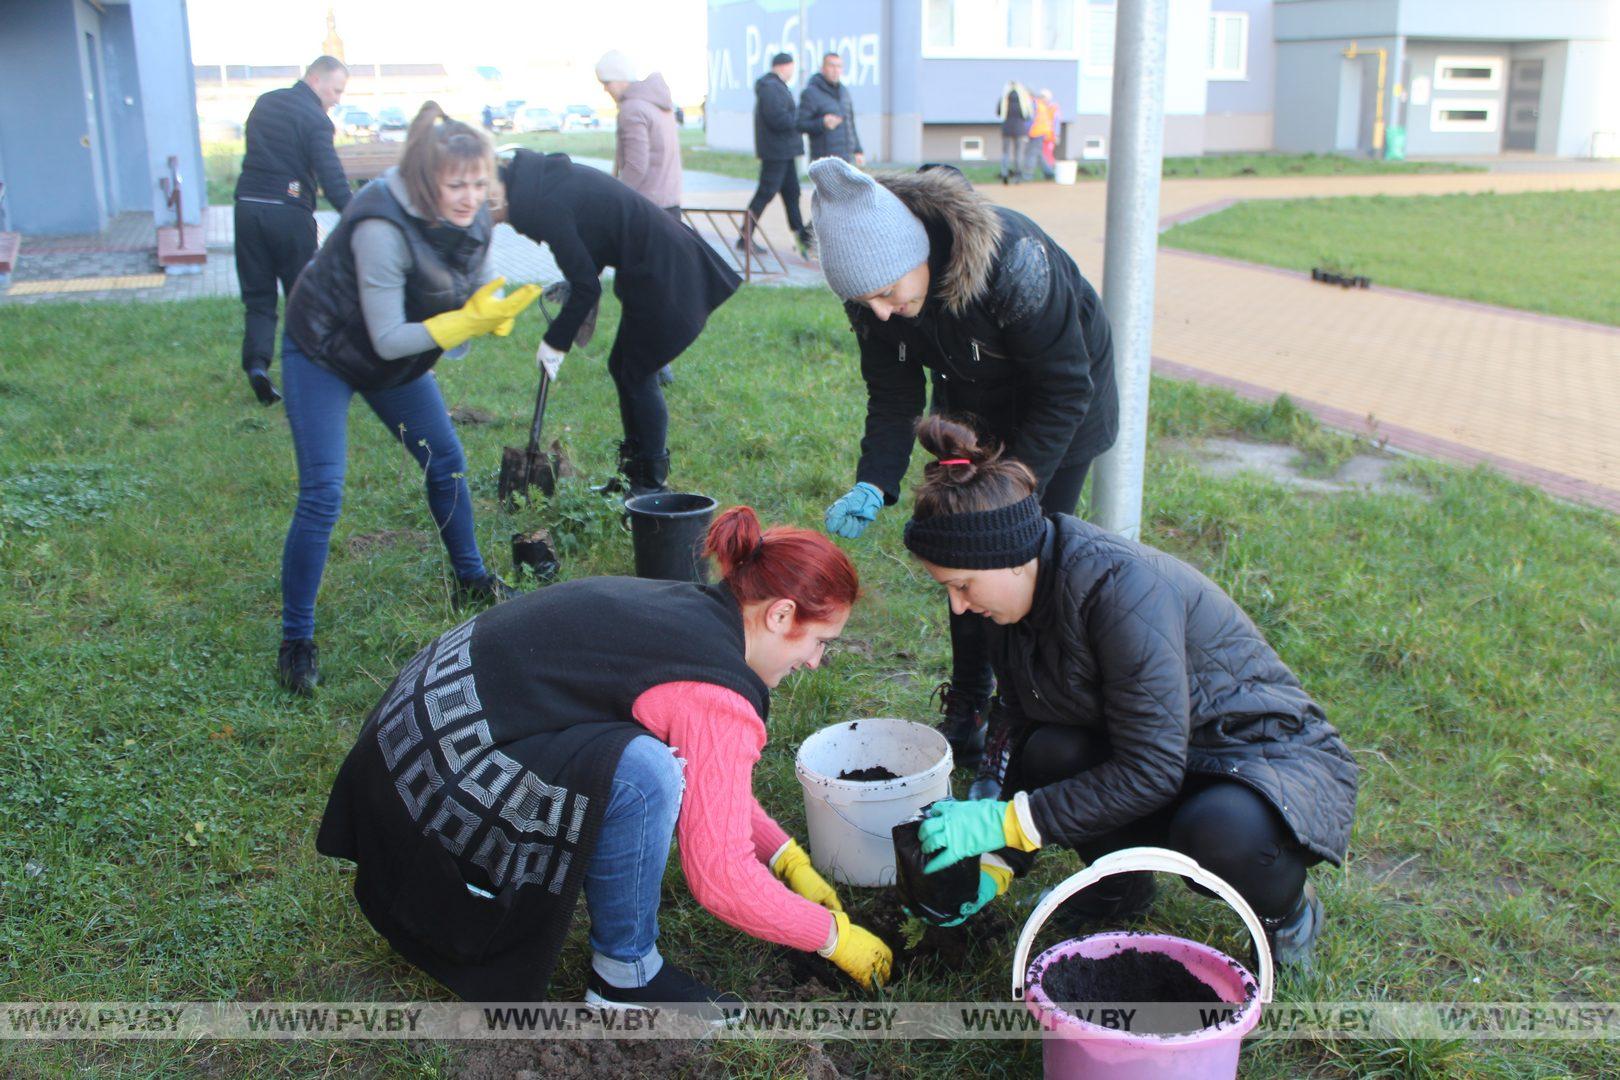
<point x="627" y="867"/>
<point x="317" y="404"/>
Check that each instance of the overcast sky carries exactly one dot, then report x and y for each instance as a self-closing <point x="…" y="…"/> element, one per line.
<point x="660" y="35"/>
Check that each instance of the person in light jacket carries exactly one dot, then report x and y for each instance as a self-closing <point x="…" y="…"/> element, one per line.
<point x="646" y="144"/>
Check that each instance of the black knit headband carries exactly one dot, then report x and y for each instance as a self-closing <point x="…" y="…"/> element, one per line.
<point x="981" y="539"/>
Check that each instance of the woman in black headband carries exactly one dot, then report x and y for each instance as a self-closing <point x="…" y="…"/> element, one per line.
<point x="1135" y="704"/>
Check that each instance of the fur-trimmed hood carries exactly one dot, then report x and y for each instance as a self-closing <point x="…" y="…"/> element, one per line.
<point x="944" y="196"/>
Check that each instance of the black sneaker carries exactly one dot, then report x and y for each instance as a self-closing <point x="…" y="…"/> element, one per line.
<point x="671" y="986"/>
<point x="298" y="667"/>
<point x="963" y="724"/>
<point x="805" y="244"/>
<point x="263" y="388"/>
<point x="1111" y="901"/>
<point x="482" y="592"/>
<point x="1293" y="938"/>
<point x="744" y="244"/>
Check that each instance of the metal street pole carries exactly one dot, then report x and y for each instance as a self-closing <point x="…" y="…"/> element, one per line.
<point x="1135" y="162"/>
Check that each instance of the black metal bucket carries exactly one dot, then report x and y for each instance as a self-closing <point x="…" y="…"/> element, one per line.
<point x="668" y="530"/>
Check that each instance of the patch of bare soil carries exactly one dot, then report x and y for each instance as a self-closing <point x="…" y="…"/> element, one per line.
<point x="471" y="414"/>
<point x="363" y="543"/>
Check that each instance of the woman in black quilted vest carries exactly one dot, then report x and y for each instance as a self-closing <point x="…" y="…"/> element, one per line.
<point x="401" y="281"/>
<point x="1136" y="704"/>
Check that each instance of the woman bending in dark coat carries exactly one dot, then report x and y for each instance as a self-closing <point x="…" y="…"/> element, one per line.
<point x="666" y="278"/>
<point x="1136" y="705"/>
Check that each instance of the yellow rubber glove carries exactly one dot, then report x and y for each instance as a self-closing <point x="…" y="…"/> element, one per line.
<point x="792" y="866"/>
<point x="484" y="313"/>
<point x="1000" y="874"/>
<point x="1014" y="832"/>
<point x="859" y="953"/>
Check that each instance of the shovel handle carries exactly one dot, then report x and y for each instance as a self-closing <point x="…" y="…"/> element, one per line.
<point x="539" y="411"/>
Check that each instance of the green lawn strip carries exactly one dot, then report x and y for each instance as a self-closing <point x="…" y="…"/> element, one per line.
<point x="1552" y="252"/>
<point x="164" y="795"/>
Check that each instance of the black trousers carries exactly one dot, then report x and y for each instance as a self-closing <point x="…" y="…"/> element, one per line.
<point x="970" y="652"/>
<point x="274" y="242"/>
<point x="779" y="177"/>
<point x="1229" y="828"/>
<point x="641" y="402"/>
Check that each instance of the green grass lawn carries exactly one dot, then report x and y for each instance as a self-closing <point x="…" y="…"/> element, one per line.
<point x="1553" y="252"/>
<point x="161" y="796"/>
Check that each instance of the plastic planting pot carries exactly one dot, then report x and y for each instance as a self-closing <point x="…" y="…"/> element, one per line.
<point x="668" y="530"/>
<point x="1077" y="1047"/>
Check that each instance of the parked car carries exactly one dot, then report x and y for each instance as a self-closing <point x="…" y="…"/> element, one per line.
<point x="392" y="119"/>
<point x="536" y="118"/>
<point x="358" y="124"/>
<point x="505" y="117"/>
<point x="577" y="117"/>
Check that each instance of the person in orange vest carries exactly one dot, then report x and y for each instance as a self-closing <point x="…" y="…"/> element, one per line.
<point x="1042" y="139"/>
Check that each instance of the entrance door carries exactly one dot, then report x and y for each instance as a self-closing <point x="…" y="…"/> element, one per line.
<point x="1351" y="92"/>
<point x="1523" y="106"/>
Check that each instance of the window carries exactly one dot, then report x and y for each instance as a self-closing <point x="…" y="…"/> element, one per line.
<point x="941" y="24"/>
<point x="1099" y="40"/>
<point x="1463" y="115"/>
<point x="1468" y="73"/>
<point x="1228" y="46"/>
<point x="1057" y="25"/>
<point x="1020" y="24"/>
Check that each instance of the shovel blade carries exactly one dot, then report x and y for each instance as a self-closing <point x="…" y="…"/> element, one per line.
<point x="514" y="476"/>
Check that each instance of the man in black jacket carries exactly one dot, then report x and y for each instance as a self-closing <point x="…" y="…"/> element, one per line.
<point x="827" y="114"/>
<point x="778" y="144"/>
<point x="1013" y="339"/>
<point x="289" y="149"/>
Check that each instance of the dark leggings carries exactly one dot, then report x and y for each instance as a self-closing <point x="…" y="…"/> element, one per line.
<point x="1229" y="828"/>
<point x="970" y="652"/>
<point x="641" y="401"/>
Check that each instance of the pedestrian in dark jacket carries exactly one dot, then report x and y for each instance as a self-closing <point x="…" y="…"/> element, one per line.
<point x="289" y="150"/>
<point x="1015" y="110"/>
<point x="939" y="281"/>
<point x="666" y="278"/>
<point x="1136" y="704"/>
<point x="778" y="144"/>
<point x="560" y="741"/>
<point x="402" y="279"/>
<point x="827" y="114"/>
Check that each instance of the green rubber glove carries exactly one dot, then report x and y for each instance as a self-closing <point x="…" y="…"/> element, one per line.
<point x="961" y="830"/>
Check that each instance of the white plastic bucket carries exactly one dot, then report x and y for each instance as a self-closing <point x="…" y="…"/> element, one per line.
<point x="851" y="821"/>
<point x="1066" y="172"/>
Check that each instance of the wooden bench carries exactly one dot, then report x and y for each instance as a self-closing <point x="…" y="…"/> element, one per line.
<point x="10" y="244"/>
<point x="367" y="161"/>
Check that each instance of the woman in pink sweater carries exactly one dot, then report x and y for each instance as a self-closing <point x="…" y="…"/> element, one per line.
<point x="557" y="742"/>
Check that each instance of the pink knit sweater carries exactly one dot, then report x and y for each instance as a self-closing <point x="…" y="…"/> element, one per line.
<point x="726" y="837"/>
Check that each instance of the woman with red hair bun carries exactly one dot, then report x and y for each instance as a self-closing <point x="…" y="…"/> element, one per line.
<point x="558" y="741"/>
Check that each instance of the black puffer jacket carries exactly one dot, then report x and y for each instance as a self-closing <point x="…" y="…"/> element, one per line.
<point x="822" y="99"/>
<point x="1015" y="336"/>
<point x="1131" y="642"/>
<point x="776" y="120"/>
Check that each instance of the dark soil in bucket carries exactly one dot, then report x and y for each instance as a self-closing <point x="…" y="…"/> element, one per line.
<point x="875" y="772"/>
<point x="1130" y="975"/>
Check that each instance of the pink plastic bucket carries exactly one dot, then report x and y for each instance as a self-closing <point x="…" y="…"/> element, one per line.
<point x="1078" y="1048"/>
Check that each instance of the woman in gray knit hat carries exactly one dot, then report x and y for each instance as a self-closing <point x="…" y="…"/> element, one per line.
<point x="934" y="276"/>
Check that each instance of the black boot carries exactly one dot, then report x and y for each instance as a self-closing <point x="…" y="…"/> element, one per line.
<point x="297" y="667"/>
<point x="263" y="388"/>
<point x="963" y="724"/>
<point x="1293" y="937"/>
<point x="482" y="592"/>
<point x="647" y="474"/>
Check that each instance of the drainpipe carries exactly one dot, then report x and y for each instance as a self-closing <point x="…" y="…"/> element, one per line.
<point x="1353" y="53"/>
<point x="1135" y="163"/>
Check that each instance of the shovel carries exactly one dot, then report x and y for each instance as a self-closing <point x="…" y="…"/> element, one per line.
<point x="533" y="467"/>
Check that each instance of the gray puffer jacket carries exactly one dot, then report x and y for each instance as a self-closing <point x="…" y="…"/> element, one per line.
<point x="1130" y="642"/>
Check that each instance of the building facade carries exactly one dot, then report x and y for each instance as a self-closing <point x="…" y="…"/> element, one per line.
<point x="94" y="100"/>
<point x="1461" y="76"/>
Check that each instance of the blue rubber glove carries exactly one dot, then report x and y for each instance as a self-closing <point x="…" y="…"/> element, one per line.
<point x="961" y="830"/>
<point x="850" y="515"/>
<point x="990" y="887"/>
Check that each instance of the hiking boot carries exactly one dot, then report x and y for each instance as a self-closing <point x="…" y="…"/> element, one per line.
<point x="263" y="388"/>
<point x="298" y="667"/>
<point x="671" y="986"/>
<point x="482" y="592"/>
<point x="963" y="724"/>
<point x="992" y="771"/>
<point x="1293" y="937"/>
<point x="646" y="475"/>
<point x="1110" y="902"/>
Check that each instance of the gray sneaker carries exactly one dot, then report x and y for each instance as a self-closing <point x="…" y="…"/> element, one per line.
<point x="1293" y="937"/>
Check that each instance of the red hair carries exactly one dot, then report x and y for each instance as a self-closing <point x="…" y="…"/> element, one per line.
<point x="782" y="562"/>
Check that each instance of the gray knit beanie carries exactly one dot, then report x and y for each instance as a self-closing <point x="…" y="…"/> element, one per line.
<point x="866" y="237"/>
